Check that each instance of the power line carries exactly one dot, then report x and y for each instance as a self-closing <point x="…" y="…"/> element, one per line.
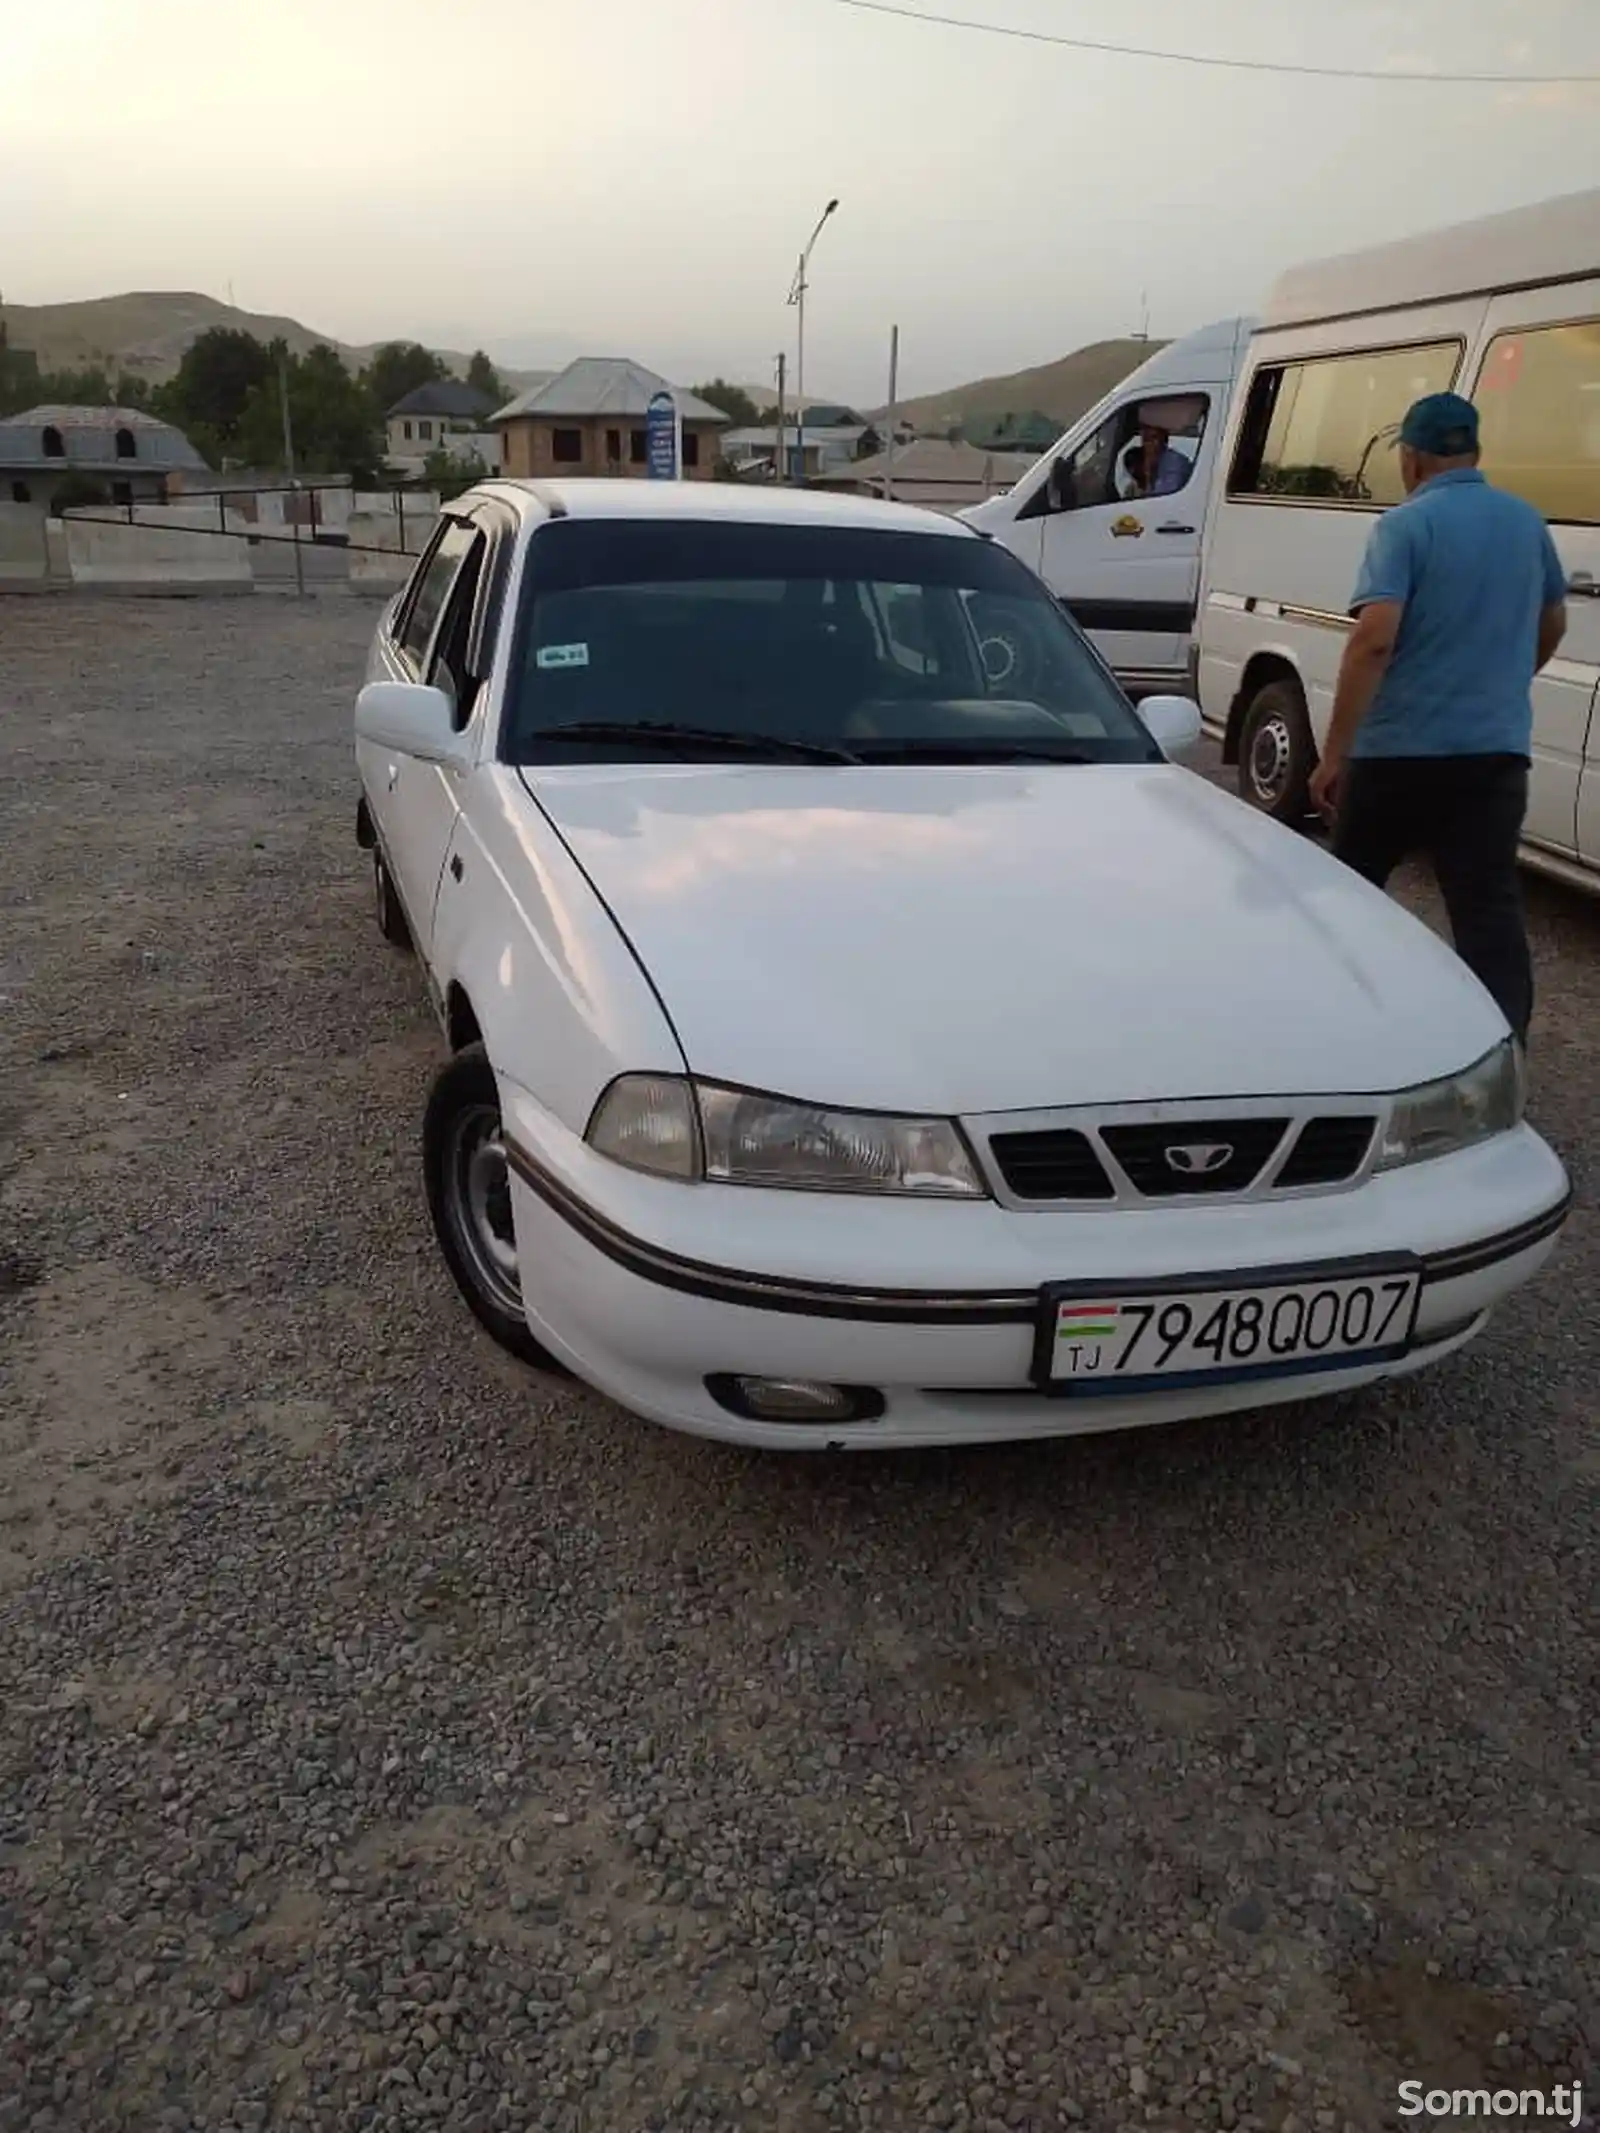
<point x="1204" y="59"/>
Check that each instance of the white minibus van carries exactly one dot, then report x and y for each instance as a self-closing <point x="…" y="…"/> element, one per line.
<point x="1127" y="568"/>
<point x="1506" y="311"/>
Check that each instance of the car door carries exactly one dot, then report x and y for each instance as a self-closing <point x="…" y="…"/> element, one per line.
<point x="413" y="803"/>
<point x="1126" y="566"/>
<point x="1589" y="791"/>
<point x="1538" y="396"/>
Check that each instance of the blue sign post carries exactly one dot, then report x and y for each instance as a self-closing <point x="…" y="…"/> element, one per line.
<point x="661" y="437"/>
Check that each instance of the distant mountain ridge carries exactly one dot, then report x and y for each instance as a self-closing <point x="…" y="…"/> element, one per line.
<point x="1064" y="389"/>
<point x="145" y="332"/>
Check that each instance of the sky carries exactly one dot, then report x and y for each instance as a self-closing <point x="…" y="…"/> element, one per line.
<point x="549" y="178"/>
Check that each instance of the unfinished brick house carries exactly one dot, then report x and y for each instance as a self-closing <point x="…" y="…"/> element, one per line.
<point x="590" y="419"/>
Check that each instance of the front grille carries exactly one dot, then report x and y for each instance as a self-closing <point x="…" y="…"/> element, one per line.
<point x="1198" y="1155"/>
<point x="1055" y="1165"/>
<point x="1328" y="1151"/>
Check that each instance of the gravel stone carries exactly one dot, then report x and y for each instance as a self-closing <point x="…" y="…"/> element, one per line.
<point x="394" y="1738"/>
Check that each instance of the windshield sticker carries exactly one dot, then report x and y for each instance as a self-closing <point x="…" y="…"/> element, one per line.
<point x="562" y="655"/>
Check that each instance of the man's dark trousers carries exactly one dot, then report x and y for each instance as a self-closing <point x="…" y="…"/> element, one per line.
<point x="1465" y="813"/>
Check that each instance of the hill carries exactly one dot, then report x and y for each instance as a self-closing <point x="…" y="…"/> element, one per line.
<point x="1063" y="389"/>
<point x="147" y="331"/>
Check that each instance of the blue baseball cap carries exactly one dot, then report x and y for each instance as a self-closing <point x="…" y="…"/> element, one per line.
<point x="1441" y="424"/>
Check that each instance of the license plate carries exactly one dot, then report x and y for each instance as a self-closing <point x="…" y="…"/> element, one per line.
<point x="1096" y="1339"/>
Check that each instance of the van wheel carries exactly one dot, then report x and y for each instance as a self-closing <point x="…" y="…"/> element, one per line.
<point x="391" y="919"/>
<point x="1276" y="752"/>
<point x="469" y="1197"/>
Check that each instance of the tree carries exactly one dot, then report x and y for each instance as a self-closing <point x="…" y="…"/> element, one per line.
<point x="451" y="472"/>
<point x="335" y="428"/>
<point x="398" y="368"/>
<point x="484" y="378"/>
<point x="23" y="385"/>
<point x="733" y="400"/>
<point x="221" y="369"/>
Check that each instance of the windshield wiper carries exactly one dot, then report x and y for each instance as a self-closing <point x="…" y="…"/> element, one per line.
<point x="956" y="751"/>
<point x="667" y="730"/>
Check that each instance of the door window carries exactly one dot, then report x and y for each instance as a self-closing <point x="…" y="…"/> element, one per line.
<point x="435" y="575"/>
<point x="1325" y="430"/>
<point x="1145" y="448"/>
<point x="450" y="667"/>
<point x="1538" y="401"/>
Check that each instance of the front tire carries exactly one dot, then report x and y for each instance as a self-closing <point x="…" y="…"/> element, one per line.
<point x="1277" y="753"/>
<point x="469" y="1197"/>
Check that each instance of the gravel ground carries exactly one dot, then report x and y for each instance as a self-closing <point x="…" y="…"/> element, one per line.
<point x="392" y="1738"/>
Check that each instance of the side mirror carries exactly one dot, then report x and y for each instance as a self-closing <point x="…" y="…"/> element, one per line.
<point x="411" y="718"/>
<point x="1062" y="496"/>
<point x="1173" y="723"/>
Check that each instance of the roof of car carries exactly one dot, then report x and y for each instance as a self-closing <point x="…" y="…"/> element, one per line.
<point x="718" y="500"/>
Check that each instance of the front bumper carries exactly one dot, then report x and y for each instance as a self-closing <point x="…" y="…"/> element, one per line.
<point x="646" y="1287"/>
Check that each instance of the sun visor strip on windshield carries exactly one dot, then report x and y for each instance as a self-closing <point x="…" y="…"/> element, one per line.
<point x="961" y="1307"/>
<point x="575" y="554"/>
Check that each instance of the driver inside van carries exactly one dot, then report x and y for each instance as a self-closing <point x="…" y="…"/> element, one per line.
<point x="1163" y="470"/>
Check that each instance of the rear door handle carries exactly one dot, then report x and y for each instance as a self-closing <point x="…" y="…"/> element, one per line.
<point x="1172" y="527"/>
<point x="1584" y="582"/>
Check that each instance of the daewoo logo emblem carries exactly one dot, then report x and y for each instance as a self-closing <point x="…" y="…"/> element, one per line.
<point x="1198" y="1159"/>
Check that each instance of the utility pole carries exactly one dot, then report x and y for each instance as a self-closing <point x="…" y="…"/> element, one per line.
<point x="288" y="460"/>
<point x="778" y="457"/>
<point x="893" y="416"/>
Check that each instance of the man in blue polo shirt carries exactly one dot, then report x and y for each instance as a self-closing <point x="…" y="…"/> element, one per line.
<point x="1460" y="601"/>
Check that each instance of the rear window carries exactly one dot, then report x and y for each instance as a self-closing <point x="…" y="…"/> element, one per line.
<point x="812" y="635"/>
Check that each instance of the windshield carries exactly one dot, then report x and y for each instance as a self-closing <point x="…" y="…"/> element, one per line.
<point x="681" y="640"/>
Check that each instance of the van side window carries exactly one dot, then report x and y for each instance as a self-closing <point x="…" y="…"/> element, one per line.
<point x="1538" y="399"/>
<point x="1324" y="431"/>
<point x="1145" y="448"/>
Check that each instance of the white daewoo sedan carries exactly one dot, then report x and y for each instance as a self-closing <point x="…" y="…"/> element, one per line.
<point x="861" y="1032"/>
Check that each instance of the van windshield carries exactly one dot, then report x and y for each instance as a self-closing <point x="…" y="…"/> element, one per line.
<point x="683" y="638"/>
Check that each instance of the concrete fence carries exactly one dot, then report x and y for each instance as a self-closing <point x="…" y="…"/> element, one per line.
<point x="204" y="546"/>
<point x="163" y="548"/>
<point x="382" y="551"/>
<point x="24" y="549"/>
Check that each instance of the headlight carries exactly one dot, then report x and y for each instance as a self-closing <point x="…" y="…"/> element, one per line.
<point x="686" y="1129"/>
<point x="1443" y="1116"/>
<point x="761" y="1140"/>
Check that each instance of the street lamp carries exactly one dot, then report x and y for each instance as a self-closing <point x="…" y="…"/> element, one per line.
<point x="797" y="297"/>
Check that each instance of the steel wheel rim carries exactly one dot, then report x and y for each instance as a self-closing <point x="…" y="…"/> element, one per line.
<point x="1002" y="658"/>
<point x="1271" y="750"/>
<point x="479" y="1185"/>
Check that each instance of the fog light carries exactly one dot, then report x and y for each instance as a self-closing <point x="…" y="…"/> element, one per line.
<point x="794" y="1400"/>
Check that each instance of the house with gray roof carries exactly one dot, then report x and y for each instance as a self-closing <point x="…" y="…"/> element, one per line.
<point x="127" y="452"/>
<point x="590" y="419"/>
<point x="445" y="415"/>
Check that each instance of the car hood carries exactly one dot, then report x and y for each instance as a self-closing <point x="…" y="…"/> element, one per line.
<point x="955" y="939"/>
